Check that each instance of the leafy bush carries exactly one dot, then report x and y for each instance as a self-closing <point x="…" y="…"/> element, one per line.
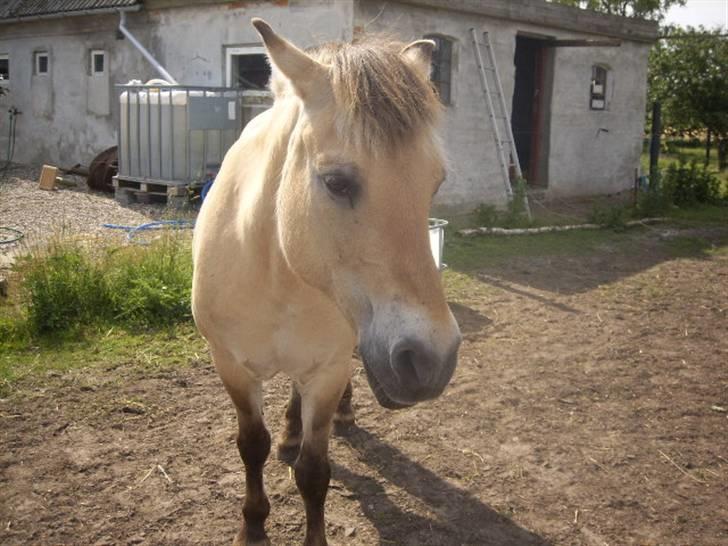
<point x="487" y="215"/>
<point x="688" y="184"/>
<point x="513" y="217"/>
<point x="61" y="289"/>
<point x="612" y="216"/>
<point x="69" y="287"/>
<point x="152" y="287"/>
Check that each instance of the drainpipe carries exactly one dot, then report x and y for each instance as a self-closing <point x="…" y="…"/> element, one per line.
<point x="136" y="43"/>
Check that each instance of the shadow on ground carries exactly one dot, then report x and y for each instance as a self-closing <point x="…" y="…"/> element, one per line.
<point x="581" y="262"/>
<point x="460" y="518"/>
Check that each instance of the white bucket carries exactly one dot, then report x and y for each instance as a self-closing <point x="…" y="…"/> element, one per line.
<point x="437" y="240"/>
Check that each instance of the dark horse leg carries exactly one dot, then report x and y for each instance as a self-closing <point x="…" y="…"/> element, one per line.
<point x="344" y="416"/>
<point x="309" y="417"/>
<point x="290" y="442"/>
<point x="254" y="445"/>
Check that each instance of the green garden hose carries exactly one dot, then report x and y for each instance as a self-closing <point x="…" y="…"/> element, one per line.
<point x="15" y="235"/>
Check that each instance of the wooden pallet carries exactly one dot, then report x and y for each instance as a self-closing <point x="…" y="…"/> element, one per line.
<point x="133" y="191"/>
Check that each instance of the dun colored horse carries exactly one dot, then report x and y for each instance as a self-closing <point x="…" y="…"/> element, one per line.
<point x="315" y="238"/>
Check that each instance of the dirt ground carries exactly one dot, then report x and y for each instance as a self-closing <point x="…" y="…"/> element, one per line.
<point x="588" y="408"/>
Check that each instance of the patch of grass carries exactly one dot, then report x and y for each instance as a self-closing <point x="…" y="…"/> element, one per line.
<point x="610" y="216"/>
<point x="72" y="285"/>
<point x="151" y="288"/>
<point x="62" y="288"/>
<point x="705" y="214"/>
<point x="160" y="349"/>
<point x="692" y="246"/>
<point x="468" y="253"/>
<point x="461" y="288"/>
<point x="677" y="151"/>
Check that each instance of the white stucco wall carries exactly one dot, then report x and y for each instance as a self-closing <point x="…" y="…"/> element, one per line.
<point x="596" y="151"/>
<point x="583" y="159"/>
<point x="69" y="117"/>
<point x="198" y="58"/>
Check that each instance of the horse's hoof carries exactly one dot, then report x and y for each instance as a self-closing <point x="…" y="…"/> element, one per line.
<point x="288" y="452"/>
<point x="240" y="541"/>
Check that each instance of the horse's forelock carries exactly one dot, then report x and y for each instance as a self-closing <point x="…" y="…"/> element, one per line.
<point x="380" y="99"/>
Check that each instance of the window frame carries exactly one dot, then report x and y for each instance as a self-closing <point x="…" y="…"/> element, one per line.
<point x="231" y="51"/>
<point x="92" y="62"/>
<point x="601" y="95"/>
<point x="5" y="57"/>
<point x="437" y="83"/>
<point x="37" y="55"/>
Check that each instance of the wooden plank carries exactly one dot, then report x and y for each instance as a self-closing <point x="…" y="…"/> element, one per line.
<point x="162" y="193"/>
<point x="48" y="177"/>
<point x="176" y="191"/>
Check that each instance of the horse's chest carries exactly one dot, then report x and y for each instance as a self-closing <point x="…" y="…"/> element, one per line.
<point x="296" y="341"/>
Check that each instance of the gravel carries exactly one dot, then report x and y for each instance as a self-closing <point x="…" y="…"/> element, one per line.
<point x="40" y="214"/>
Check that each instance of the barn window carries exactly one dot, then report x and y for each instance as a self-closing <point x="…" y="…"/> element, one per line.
<point x="441" y="75"/>
<point x="4" y="68"/>
<point x="98" y="62"/>
<point x="247" y="68"/>
<point x="598" y="91"/>
<point x="42" y="63"/>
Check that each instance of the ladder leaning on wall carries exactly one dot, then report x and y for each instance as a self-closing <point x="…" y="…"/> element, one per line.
<point x="500" y="122"/>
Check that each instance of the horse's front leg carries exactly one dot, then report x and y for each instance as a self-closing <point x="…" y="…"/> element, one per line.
<point x="253" y="444"/>
<point x="290" y="441"/>
<point x="319" y="401"/>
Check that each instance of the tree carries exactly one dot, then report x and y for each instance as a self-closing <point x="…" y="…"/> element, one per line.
<point x="646" y="9"/>
<point x="688" y="74"/>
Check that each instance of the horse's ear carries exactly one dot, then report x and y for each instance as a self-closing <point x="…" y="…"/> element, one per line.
<point x="304" y="73"/>
<point x="419" y="54"/>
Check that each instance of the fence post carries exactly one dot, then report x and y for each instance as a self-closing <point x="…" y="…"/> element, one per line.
<point x="655" y="142"/>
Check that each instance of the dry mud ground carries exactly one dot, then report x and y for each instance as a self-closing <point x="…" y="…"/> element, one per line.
<point x="588" y="408"/>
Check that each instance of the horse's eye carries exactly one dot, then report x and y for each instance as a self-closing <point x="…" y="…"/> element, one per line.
<point x="341" y="187"/>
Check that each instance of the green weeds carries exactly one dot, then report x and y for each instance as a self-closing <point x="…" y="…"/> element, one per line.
<point x="72" y="286"/>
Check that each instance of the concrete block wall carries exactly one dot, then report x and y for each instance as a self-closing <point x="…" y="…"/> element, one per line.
<point x="474" y="172"/>
<point x="593" y="151"/>
<point x="69" y="116"/>
<point x="584" y="158"/>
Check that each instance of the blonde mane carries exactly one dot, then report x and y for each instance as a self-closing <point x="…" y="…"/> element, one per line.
<point x="381" y="100"/>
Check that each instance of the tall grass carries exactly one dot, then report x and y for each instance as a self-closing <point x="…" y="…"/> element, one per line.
<point x="71" y="285"/>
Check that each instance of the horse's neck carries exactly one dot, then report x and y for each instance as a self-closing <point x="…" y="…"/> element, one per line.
<point x="258" y="173"/>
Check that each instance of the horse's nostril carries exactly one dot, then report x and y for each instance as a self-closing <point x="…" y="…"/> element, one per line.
<point x="410" y="364"/>
<point x="403" y="362"/>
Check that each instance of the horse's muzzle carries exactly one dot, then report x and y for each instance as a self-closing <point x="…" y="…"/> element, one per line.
<point x="407" y="373"/>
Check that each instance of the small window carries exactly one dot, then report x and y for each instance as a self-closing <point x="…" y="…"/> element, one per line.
<point x="4" y="68"/>
<point x="247" y="68"/>
<point x="98" y="62"/>
<point x="441" y="75"/>
<point x="42" y="63"/>
<point x="598" y="92"/>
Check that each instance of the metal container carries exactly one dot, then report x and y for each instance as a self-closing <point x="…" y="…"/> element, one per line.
<point x="175" y="134"/>
<point x="437" y="241"/>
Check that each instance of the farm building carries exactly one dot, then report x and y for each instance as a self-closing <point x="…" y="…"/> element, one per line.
<point x="573" y="81"/>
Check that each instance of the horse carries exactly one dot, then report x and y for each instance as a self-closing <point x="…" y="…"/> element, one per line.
<point x="313" y="240"/>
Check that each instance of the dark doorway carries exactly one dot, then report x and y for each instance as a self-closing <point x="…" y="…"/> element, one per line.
<point x="531" y="107"/>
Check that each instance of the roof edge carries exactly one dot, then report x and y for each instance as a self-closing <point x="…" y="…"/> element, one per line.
<point x="75" y="13"/>
<point x="540" y="12"/>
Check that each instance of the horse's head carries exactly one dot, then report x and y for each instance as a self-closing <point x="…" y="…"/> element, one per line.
<point x="362" y="166"/>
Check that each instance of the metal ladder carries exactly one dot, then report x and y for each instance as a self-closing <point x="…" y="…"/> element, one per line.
<point x="507" y="157"/>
